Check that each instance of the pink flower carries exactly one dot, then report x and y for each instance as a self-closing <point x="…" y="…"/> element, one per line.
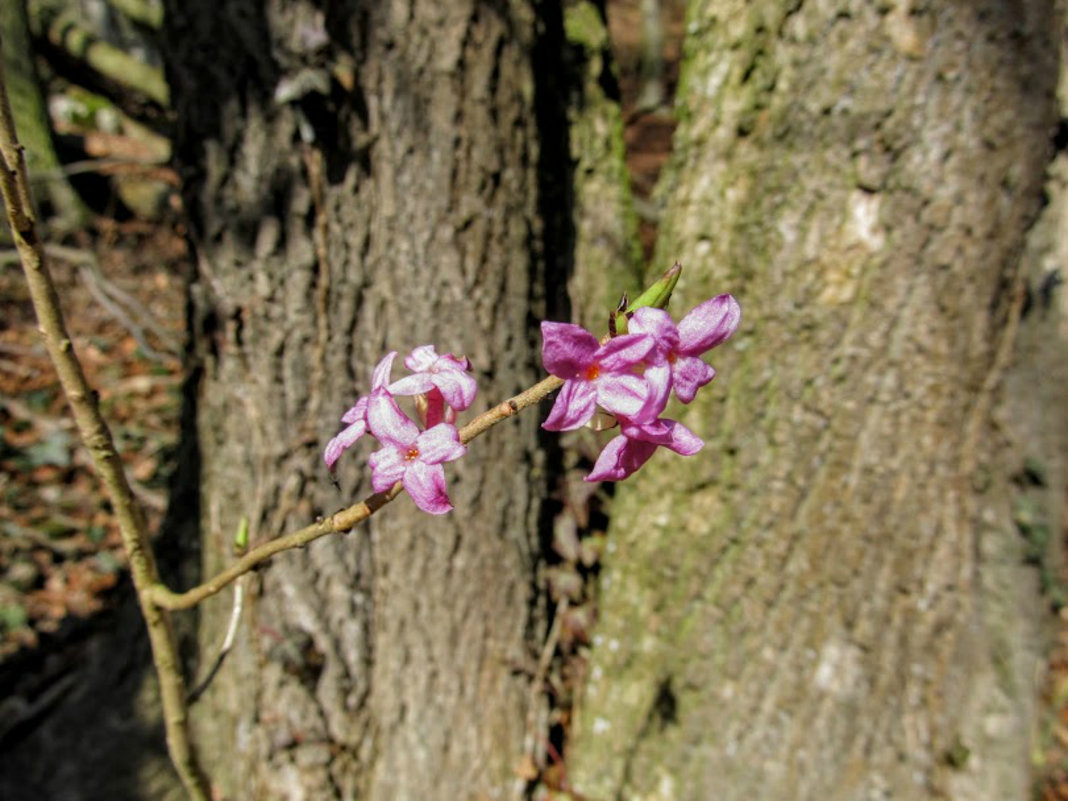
<point x="707" y="325"/>
<point x="636" y="444"/>
<point x="609" y="375"/>
<point x="411" y="456"/>
<point x="356" y="417"/>
<point x="448" y="374"/>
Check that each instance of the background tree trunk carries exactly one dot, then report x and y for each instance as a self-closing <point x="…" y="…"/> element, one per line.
<point x="364" y="180"/>
<point x="65" y="210"/>
<point x="831" y="601"/>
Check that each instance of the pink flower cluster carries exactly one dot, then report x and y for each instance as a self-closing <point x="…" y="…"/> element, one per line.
<point x="631" y="377"/>
<point x="410" y="454"/>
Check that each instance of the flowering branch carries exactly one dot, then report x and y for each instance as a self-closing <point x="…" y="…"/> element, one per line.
<point x="345" y="520"/>
<point x="629" y="376"/>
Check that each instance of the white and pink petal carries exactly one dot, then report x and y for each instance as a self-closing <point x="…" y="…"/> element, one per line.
<point x="658" y="324"/>
<point x="380" y="377"/>
<point x="458" y="387"/>
<point x="388" y="466"/>
<point x="357" y="412"/>
<point x="622" y="354"/>
<point x="574" y="406"/>
<point x="426" y="484"/>
<point x="346" y="439"/>
<point x="624" y="394"/>
<point x="421" y="358"/>
<point x="439" y="444"/>
<point x="709" y="324"/>
<point x="414" y="384"/>
<point x="387" y="422"/>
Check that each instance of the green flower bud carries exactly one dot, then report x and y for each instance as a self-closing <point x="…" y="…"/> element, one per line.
<point x="656" y="296"/>
<point x="659" y="293"/>
<point x="241" y="536"/>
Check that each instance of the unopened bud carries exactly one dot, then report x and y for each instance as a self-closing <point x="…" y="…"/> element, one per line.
<point x="241" y="536"/>
<point x="656" y="296"/>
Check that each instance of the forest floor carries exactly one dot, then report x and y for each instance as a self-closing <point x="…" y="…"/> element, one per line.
<point x="122" y="286"/>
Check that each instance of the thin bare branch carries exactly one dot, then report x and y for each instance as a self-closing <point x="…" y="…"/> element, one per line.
<point x="14" y="185"/>
<point x="123" y="307"/>
<point x="228" y="643"/>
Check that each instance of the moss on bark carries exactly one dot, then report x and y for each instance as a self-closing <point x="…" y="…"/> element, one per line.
<point x="801" y="611"/>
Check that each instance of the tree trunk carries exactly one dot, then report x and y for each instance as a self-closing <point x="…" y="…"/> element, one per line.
<point x="359" y="181"/>
<point x="831" y="601"/>
<point x="64" y="210"/>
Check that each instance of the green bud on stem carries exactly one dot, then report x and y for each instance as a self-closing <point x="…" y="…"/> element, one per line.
<point x="241" y="536"/>
<point x="656" y="296"/>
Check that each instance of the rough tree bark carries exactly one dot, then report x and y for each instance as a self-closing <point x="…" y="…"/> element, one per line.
<point x="364" y="179"/>
<point x="831" y="601"/>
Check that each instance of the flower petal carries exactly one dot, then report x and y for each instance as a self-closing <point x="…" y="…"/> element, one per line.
<point x="447" y="373"/>
<point x="667" y="433"/>
<point x="566" y="349"/>
<point x="462" y="362"/>
<point x="426" y="484"/>
<point x="690" y="374"/>
<point x="658" y="324"/>
<point x="414" y="384"/>
<point x="709" y="324"/>
<point x="619" y="458"/>
<point x="380" y="377"/>
<point x="658" y="380"/>
<point x="388" y="466"/>
<point x="574" y="406"/>
<point x="683" y="440"/>
<point x="458" y="387"/>
<point x="388" y="422"/>
<point x="421" y="358"/>
<point x="357" y="412"/>
<point x="346" y="439"/>
<point x="439" y="444"/>
<point x="620" y="354"/>
<point x="624" y="395"/>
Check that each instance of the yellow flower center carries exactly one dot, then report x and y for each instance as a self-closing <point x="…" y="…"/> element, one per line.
<point x="592" y="372"/>
<point x="412" y="454"/>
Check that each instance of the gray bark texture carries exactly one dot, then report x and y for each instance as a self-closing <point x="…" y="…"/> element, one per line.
<point x="363" y="180"/>
<point x="831" y="601"/>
